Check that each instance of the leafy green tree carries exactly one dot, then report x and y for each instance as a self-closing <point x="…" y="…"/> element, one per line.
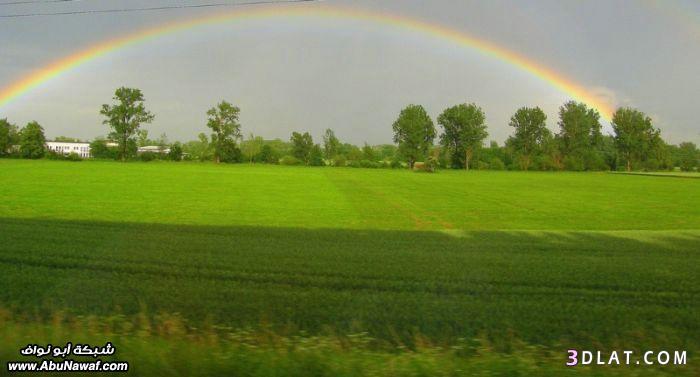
<point x="350" y="152"/>
<point x="688" y="156"/>
<point x="608" y="152"/>
<point x="175" y="153"/>
<point x="387" y="152"/>
<point x="125" y="118"/>
<point x="9" y="136"/>
<point x="549" y="156"/>
<point x="316" y="156"/>
<point x="464" y="132"/>
<point x="493" y="152"/>
<point x="280" y="147"/>
<point x="301" y="146"/>
<point x="32" y="142"/>
<point x="658" y="157"/>
<point x="331" y="144"/>
<point x="368" y="153"/>
<point x="252" y="147"/>
<point x="579" y="136"/>
<point x="635" y="137"/>
<point x="268" y="155"/>
<point x="223" y="121"/>
<point x="162" y="143"/>
<point x="579" y="126"/>
<point x="198" y="149"/>
<point x="531" y="134"/>
<point x="414" y="133"/>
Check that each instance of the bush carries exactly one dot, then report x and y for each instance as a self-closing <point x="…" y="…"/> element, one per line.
<point x="574" y="163"/>
<point x="545" y="163"/>
<point x="268" y="155"/>
<point x="396" y="164"/>
<point x="290" y="161"/>
<point x="73" y="157"/>
<point x="175" y="153"/>
<point x="230" y="153"/>
<point x="496" y="164"/>
<point x="595" y="161"/>
<point x="354" y="164"/>
<point x="148" y="156"/>
<point x="481" y="165"/>
<point x="52" y="155"/>
<point x="651" y="164"/>
<point x="369" y="164"/>
<point x="340" y="161"/>
<point x="432" y="164"/>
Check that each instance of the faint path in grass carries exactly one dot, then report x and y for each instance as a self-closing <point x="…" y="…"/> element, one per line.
<point x="358" y="190"/>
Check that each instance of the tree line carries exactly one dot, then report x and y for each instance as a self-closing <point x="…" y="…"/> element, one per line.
<point x="579" y="144"/>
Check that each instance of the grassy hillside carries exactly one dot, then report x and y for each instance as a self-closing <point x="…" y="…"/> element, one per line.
<point x="591" y="260"/>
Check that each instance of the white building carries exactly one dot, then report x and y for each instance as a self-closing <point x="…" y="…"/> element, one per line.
<point x="82" y="149"/>
<point x="153" y="149"/>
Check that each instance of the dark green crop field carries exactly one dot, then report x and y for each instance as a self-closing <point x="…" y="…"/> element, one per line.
<point x="562" y="260"/>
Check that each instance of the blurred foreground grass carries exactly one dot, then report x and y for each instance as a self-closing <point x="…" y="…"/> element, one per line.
<point x="165" y="345"/>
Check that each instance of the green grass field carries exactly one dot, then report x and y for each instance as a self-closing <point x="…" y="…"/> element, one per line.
<point x="300" y="197"/>
<point x="557" y="260"/>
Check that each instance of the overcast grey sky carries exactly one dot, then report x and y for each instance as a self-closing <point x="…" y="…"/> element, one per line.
<point x="309" y="74"/>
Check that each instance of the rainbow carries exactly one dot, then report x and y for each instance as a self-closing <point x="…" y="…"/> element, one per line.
<point x="56" y="68"/>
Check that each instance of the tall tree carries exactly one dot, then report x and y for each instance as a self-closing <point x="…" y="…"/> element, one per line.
<point x="414" y="132"/>
<point x="331" y="144"/>
<point x="579" y="135"/>
<point x="8" y="136"/>
<point x="368" y="153"/>
<point x="301" y="146"/>
<point x="531" y="134"/>
<point x="464" y="131"/>
<point x="635" y="137"/>
<point x="688" y="156"/>
<point x="223" y="121"/>
<point x="125" y="117"/>
<point x="162" y="143"/>
<point x="32" y="143"/>
<point x="252" y="147"/>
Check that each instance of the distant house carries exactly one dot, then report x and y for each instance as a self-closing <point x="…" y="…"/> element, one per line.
<point x="66" y="148"/>
<point x="83" y="149"/>
<point x="154" y="149"/>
